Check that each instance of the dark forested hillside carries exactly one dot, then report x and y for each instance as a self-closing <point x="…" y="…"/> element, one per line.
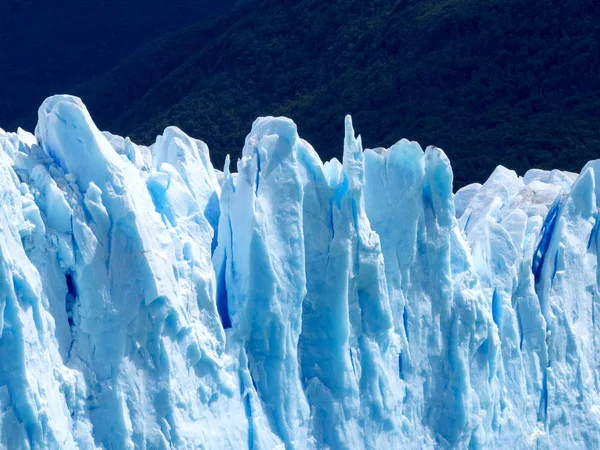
<point x="49" y="46"/>
<point x="512" y="82"/>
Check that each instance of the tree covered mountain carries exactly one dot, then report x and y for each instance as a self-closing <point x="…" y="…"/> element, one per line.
<point x="509" y="82"/>
<point x="49" y="46"/>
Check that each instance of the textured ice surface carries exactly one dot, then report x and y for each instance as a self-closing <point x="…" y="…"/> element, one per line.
<point x="148" y="300"/>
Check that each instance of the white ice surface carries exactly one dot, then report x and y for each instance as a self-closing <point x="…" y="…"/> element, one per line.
<point x="148" y="300"/>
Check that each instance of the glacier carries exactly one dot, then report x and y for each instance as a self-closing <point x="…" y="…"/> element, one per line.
<point x="148" y="300"/>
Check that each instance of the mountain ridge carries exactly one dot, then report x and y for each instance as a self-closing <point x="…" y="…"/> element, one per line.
<point x="513" y="83"/>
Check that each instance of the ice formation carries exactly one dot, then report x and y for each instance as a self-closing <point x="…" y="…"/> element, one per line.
<point x="148" y="300"/>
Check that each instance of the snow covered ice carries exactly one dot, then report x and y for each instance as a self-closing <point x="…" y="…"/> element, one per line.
<point x="148" y="300"/>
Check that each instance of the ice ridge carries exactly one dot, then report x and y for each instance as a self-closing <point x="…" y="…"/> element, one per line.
<point x="148" y="300"/>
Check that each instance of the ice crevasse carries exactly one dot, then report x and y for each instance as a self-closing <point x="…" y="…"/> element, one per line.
<point x="150" y="301"/>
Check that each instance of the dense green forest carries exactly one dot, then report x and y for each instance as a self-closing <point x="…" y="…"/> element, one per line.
<point x="511" y="82"/>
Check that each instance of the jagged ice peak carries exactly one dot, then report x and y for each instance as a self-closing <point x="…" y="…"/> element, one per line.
<point x="148" y="300"/>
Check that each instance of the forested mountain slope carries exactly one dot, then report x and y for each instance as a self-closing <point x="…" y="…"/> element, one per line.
<point x="509" y="82"/>
<point x="50" y="46"/>
<point x="495" y="82"/>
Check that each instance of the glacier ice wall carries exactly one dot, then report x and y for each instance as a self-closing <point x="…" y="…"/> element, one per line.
<point x="148" y="300"/>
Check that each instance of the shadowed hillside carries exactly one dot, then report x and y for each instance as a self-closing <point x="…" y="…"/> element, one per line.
<point x="50" y="46"/>
<point x="509" y="82"/>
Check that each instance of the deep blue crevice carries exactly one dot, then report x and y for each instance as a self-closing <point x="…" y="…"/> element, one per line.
<point x="222" y="298"/>
<point x="212" y="213"/>
<point x="467" y="222"/>
<point x="546" y="233"/>
<point x="70" y="303"/>
<point x="555" y="268"/>
<point x="497" y="308"/>
<point x="484" y="348"/>
<point x="340" y="192"/>
<point x="543" y="411"/>
<point x="352" y="361"/>
<point x="405" y="321"/>
<point x="331" y="225"/>
<point x="428" y="199"/>
<point x="593" y="236"/>
<point x="71" y="298"/>
<point x="400" y="368"/>
<point x="248" y="410"/>
<point x="257" y="170"/>
<point x="331" y="230"/>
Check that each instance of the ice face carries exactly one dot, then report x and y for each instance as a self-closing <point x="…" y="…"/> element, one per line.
<point x="148" y="300"/>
